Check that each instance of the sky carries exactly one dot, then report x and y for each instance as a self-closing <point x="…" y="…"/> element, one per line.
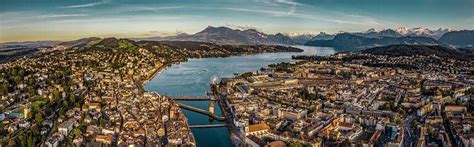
<point x="22" y="20"/>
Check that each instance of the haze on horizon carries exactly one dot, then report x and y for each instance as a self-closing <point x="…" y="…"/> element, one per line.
<point x="67" y="20"/>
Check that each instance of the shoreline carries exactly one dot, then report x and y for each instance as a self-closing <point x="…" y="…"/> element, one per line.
<point x="164" y="67"/>
<point x="148" y="79"/>
<point x="223" y="111"/>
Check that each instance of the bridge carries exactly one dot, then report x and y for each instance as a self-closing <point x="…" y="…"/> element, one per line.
<point x="205" y="112"/>
<point x="208" y="126"/>
<point x="191" y="98"/>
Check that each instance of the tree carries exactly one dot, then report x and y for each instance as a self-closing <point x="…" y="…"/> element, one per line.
<point x="4" y="88"/>
<point x="22" y="138"/>
<point x="470" y="91"/>
<point x="31" y="140"/>
<point x="11" y="143"/>
<point x="346" y="143"/>
<point x="245" y="75"/>
<point x="39" y="117"/>
<point x="21" y="73"/>
<point x="31" y="81"/>
<point x="77" y="132"/>
<point x="102" y="122"/>
<point x="398" y="120"/>
<point x="17" y="79"/>
<point x="56" y="95"/>
<point x="72" y="98"/>
<point x="65" y="104"/>
<point x="295" y="144"/>
<point x="34" y="129"/>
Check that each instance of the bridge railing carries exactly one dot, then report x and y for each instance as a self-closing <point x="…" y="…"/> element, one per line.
<point x="191" y="98"/>
<point x="205" y="112"/>
<point x="208" y="126"/>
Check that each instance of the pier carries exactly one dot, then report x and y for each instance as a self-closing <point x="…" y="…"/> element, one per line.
<point x="205" y="112"/>
<point x="208" y="126"/>
<point x="191" y="98"/>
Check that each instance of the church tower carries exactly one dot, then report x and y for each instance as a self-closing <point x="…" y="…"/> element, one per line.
<point x="26" y="111"/>
<point x="211" y="107"/>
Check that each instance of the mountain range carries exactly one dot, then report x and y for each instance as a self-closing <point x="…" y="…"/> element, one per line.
<point x="359" y="41"/>
<point x="423" y="32"/>
<point x="341" y="41"/>
<point x="300" y="38"/>
<point x="423" y="50"/>
<point x="348" y="41"/>
<point x="225" y="35"/>
<point x="459" y="39"/>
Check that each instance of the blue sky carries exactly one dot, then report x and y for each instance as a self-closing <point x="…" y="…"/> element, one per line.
<point x="22" y="20"/>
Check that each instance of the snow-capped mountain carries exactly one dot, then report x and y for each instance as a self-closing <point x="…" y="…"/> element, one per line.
<point x="295" y="34"/>
<point x="379" y="33"/>
<point x="301" y="38"/>
<point x="323" y="36"/>
<point x="403" y="31"/>
<point x="424" y="32"/>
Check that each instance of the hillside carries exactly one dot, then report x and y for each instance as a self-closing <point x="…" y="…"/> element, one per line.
<point x="13" y="50"/>
<point x="422" y="50"/>
<point x="351" y="42"/>
<point x="176" y="49"/>
<point x="460" y="39"/>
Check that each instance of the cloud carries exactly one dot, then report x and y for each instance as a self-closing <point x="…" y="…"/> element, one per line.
<point x="292" y="5"/>
<point x="280" y="2"/>
<point x="61" y="15"/>
<point x="339" y="18"/>
<point x="242" y="27"/>
<point x="149" y="9"/>
<point x="325" y="15"/>
<point x="469" y="20"/>
<point x="85" y="5"/>
<point x="67" y="21"/>
<point x="155" y="33"/>
<point x="292" y="9"/>
<point x="342" y="19"/>
<point x="124" y="19"/>
<point x="271" y="12"/>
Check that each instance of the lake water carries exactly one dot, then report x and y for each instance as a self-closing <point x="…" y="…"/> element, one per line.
<point x="192" y="78"/>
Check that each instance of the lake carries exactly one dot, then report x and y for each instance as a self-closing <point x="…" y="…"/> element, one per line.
<point x="192" y="78"/>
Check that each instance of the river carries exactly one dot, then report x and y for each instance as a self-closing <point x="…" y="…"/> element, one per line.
<point x="192" y="78"/>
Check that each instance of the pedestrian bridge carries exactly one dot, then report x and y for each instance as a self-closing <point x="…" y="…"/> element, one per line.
<point x="208" y="126"/>
<point x="191" y="98"/>
<point x="205" y="112"/>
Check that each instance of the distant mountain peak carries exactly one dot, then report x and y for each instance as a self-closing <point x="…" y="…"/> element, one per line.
<point x="226" y="35"/>
<point x="212" y="29"/>
<point x="420" y="31"/>
<point x="294" y="34"/>
<point x="374" y="30"/>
